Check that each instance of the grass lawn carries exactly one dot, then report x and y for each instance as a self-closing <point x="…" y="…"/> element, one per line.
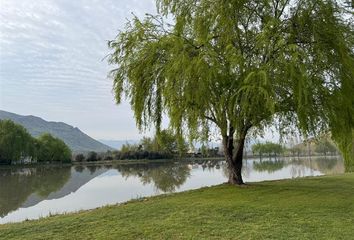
<point x="307" y="208"/>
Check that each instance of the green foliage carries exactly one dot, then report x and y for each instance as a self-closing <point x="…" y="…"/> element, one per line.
<point x="149" y="144"/>
<point x="268" y="148"/>
<point x="297" y="150"/>
<point x="240" y="65"/>
<point x="51" y="149"/>
<point x="164" y="141"/>
<point x="347" y="148"/>
<point x="72" y="136"/>
<point x="324" y="147"/>
<point x="79" y="157"/>
<point x="15" y="142"/>
<point x="127" y="147"/>
<point x="168" y="142"/>
<point x="165" y="144"/>
<point x="92" y="157"/>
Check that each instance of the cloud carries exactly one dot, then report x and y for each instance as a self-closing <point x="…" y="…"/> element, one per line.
<point x="51" y="64"/>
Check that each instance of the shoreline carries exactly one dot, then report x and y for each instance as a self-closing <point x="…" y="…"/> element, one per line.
<point x="144" y="161"/>
<point x="301" y="205"/>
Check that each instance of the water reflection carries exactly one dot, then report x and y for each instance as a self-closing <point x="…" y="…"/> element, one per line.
<point x="37" y="191"/>
<point x="165" y="177"/>
<point x="16" y="185"/>
<point x="269" y="166"/>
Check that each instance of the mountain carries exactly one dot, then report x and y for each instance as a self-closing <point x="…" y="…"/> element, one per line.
<point x="117" y="144"/>
<point x="72" y="136"/>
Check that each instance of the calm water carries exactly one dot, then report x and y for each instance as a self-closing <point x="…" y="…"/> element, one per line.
<point x="33" y="192"/>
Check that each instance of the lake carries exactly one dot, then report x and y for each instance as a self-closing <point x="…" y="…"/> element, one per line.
<point x="34" y="192"/>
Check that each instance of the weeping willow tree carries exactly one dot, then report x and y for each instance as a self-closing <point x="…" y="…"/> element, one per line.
<point x="240" y="66"/>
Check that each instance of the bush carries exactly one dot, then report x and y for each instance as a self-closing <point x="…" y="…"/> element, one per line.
<point x="79" y="157"/>
<point x="108" y="158"/>
<point x="92" y="157"/>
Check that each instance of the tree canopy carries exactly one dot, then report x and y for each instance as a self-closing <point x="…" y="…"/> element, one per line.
<point x="15" y="142"/>
<point x="52" y="149"/>
<point x="240" y="66"/>
<point x="324" y="146"/>
<point x="267" y="147"/>
<point x="164" y="142"/>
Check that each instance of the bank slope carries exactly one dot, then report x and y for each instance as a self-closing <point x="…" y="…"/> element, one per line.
<point x="308" y="208"/>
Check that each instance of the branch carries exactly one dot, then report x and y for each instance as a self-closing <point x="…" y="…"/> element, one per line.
<point x="211" y="119"/>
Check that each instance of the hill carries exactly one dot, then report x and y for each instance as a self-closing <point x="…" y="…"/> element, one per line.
<point x="72" y="136"/>
<point x="117" y="144"/>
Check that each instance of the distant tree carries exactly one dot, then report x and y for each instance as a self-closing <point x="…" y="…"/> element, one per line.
<point x="324" y="147"/>
<point x="52" y="149"/>
<point x="92" y="157"/>
<point x="149" y="144"/>
<point x="164" y="141"/>
<point x="127" y="147"/>
<point x="79" y="157"/>
<point x="15" y="142"/>
<point x="204" y="151"/>
<point x="296" y="150"/>
<point x="116" y="155"/>
<point x="257" y="148"/>
<point x="267" y="148"/>
<point x="274" y="148"/>
<point x="169" y="142"/>
<point x="108" y="157"/>
<point x="240" y="66"/>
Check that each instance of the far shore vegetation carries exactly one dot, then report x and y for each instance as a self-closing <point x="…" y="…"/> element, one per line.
<point x="17" y="146"/>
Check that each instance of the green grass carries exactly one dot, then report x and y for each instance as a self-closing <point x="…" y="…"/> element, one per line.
<point x="308" y="208"/>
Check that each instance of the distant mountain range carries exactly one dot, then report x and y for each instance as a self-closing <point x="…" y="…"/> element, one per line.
<point x="72" y="136"/>
<point x="117" y="144"/>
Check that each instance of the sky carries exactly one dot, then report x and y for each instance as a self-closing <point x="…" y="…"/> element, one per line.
<point x="52" y="63"/>
<point x="52" y="66"/>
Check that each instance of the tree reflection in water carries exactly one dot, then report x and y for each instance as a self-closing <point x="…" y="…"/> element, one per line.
<point x="326" y="165"/>
<point x="17" y="184"/>
<point x="300" y="166"/>
<point x="165" y="177"/>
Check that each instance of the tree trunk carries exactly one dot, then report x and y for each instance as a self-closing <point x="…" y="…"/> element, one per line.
<point x="234" y="157"/>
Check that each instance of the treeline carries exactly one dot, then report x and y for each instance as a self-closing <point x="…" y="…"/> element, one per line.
<point x="18" y="146"/>
<point x="119" y="155"/>
<point x="321" y="146"/>
<point x="268" y="148"/>
<point x="164" y="145"/>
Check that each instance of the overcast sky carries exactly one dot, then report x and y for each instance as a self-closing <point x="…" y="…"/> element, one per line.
<point x="51" y="63"/>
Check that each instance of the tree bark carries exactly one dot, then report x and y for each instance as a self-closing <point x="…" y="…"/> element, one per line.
<point x="234" y="157"/>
